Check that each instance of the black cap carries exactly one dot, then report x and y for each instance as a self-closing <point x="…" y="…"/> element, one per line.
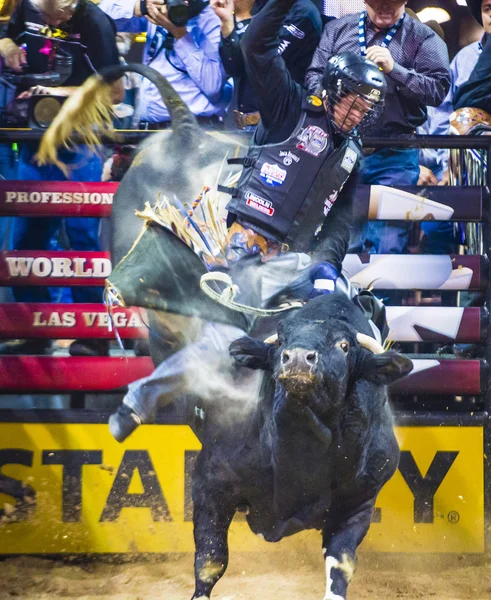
<point x="356" y="74"/>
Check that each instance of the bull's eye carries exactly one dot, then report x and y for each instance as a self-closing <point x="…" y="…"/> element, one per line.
<point x="344" y="345"/>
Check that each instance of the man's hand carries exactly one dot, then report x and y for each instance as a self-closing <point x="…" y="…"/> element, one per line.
<point x="426" y="176"/>
<point x="381" y="57"/>
<point x="13" y="55"/>
<point x="224" y="10"/>
<point x="42" y="90"/>
<point x="37" y="90"/>
<point x="158" y="15"/>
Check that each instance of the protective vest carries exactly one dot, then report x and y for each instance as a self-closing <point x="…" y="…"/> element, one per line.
<point x="287" y="189"/>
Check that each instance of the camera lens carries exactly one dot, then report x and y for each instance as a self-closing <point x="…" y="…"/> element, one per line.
<point x="178" y="12"/>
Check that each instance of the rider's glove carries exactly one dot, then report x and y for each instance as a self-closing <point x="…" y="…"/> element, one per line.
<point x="324" y="277"/>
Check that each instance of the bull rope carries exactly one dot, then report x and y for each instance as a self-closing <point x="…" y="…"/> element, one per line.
<point x="227" y="296"/>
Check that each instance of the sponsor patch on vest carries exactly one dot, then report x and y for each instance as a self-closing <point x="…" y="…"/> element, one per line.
<point x="288" y="157"/>
<point x="312" y="140"/>
<point x="349" y="160"/>
<point x="260" y="204"/>
<point x="272" y="175"/>
<point x="295" y="31"/>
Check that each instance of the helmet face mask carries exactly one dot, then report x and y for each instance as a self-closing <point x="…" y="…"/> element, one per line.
<point x="355" y="90"/>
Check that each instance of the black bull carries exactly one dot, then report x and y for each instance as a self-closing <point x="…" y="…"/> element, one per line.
<point x="317" y="445"/>
<point x="312" y="453"/>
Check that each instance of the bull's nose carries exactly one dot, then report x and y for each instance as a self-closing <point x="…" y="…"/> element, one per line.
<point x="299" y="358"/>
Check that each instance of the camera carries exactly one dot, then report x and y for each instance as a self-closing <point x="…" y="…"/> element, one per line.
<point x="178" y="12"/>
<point x="36" y="112"/>
<point x="62" y="69"/>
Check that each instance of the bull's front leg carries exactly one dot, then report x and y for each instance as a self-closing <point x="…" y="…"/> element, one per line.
<point x="212" y="517"/>
<point x="340" y="539"/>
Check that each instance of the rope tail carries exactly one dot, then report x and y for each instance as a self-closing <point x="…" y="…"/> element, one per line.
<point x="87" y="113"/>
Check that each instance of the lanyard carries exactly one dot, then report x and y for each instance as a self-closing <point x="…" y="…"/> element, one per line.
<point x="157" y="43"/>
<point x="387" y="39"/>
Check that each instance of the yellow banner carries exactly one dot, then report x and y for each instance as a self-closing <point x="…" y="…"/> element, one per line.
<point x="87" y="493"/>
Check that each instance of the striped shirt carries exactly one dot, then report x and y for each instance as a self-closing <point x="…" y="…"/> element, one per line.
<point x="420" y="77"/>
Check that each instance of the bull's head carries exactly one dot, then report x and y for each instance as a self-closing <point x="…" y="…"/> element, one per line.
<point x="319" y="353"/>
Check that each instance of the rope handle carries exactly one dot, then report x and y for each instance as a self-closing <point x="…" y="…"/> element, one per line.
<point x="227" y="296"/>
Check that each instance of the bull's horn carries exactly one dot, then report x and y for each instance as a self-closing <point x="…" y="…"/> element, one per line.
<point x="272" y="339"/>
<point x="369" y="343"/>
<point x="88" y="112"/>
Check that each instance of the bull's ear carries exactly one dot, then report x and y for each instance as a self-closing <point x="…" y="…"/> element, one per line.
<point x="251" y="353"/>
<point x="384" y="368"/>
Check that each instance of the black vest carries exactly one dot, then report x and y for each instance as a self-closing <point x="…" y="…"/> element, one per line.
<point x="286" y="190"/>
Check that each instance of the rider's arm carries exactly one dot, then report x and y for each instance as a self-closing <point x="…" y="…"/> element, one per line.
<point x="278" y="96"/>
<point x="333" y="239"/>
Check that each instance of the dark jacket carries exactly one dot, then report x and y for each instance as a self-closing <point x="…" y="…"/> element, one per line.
<point x="90" y="29"/>
<point x="476" y="91"/>
<point x="297" y="41"/>
<point x="280" y="104"/>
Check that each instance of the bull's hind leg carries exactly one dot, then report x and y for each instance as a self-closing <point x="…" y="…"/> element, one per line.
<point x="212" y="517"/>
<point x="341" y="538"/>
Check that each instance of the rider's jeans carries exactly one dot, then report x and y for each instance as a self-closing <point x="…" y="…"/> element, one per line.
<point x="193" y="367"/>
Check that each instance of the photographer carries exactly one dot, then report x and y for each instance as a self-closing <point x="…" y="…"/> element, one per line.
<point x="182" y="44"/>
<point x="41" y="35"/>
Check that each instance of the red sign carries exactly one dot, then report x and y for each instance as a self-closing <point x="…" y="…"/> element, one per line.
<point x="71" y="374"/>
<point x="79" y="373"/>
<point x="39" y="267"/>
<point x="56" y="198"/>
<point x="70" y="321"/>
<point x="452" y="377"/>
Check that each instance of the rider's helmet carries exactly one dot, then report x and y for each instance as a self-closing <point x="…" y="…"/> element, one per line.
<point x="354" y="89"/>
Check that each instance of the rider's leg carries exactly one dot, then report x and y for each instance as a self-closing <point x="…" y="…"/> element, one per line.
<point x="176" y="375"/>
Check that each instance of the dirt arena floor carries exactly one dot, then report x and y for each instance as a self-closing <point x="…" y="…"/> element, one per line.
<point x="294" y="577"/>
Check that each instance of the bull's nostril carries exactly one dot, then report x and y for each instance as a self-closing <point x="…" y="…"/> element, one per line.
<point x="311" y="358"/>
<point x="285" y="357"/>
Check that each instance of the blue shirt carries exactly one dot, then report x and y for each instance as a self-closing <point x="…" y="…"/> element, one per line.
<point x="439" y="118"/>
<point x="201" y="85"/>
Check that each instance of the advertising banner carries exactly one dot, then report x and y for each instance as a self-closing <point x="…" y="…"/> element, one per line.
<point x="85" y="493"/>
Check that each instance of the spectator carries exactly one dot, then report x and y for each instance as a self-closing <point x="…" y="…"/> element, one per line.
<point x="460" y="70"/>
<point x="88" y="35"/>
<point x="415" y="62"/>
<point x="297" y="42"/>
<point x="125" y="115"/>
<point x="186" y="55"/>
<point x="475" y="90"/>
<point x="432" y="161"/>
<point x="439" y="236"/>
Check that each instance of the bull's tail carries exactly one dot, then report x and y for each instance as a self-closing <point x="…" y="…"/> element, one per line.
<point x="88" y="112"/>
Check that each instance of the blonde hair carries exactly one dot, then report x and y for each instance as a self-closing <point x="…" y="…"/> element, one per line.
<point x="51" y="7"/>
